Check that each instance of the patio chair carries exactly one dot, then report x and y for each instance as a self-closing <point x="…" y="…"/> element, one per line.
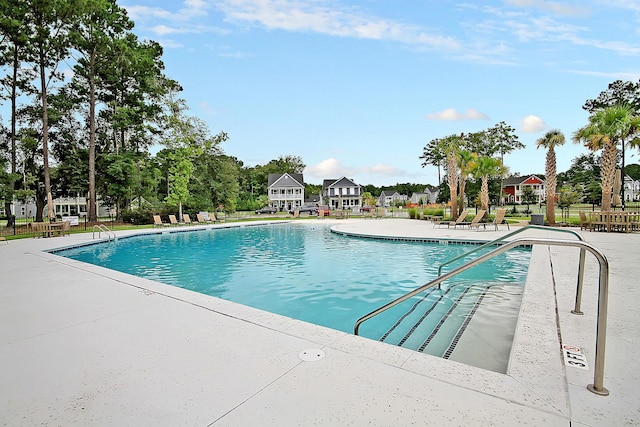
<point x="585" y="224"/>
<point x="599" y="221"/>
<point x="499" y="219"/>
<point x="475" y="222"/>
<point x="461" y="218"/>
<point x="66" y="228"/>
<point x="157" y="221"/>
<point x="173" y="220"/>
<point x="215" y="217"/>
<point x="187" y="219"/>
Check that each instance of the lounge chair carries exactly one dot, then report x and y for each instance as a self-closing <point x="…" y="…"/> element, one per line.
<point x="475" y="222"/>
<point x="215" y="218"/>
<point x="201" y="219"/>
<point x="461" y="218"/>
<point x="173" y="220"/>
<point x="157" y="221"/>
<point x="499" y="219"/>
<point x="187" y="219"/>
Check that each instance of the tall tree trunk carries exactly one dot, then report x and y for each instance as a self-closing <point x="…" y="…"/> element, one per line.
<point x="452" y="177"/>
<point x="45" y="135"/>
<point x="463" y="183"/>
<point x="550" y="174"/>
<point x="608" y="171"/>
<point x="484" y="193"/>
<point x="622" y="175"/>
<point x="11" y="218"/>
<point x="92" y="140"/>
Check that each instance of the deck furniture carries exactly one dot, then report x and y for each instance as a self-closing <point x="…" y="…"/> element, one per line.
<point x="461" y="218"/>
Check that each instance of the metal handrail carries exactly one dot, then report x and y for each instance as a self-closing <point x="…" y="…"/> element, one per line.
<point x="101" y="228"/>
<point x="506" y="236"/>
<point x="603" y="290"/>
<point x="576" y="309"/>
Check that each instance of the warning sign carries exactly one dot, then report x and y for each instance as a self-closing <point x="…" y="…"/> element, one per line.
<point x="574" y="356"/>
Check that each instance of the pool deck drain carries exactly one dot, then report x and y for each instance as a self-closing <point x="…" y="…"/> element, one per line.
<point x="312" y="355"/>
<point x="85" y="345"/>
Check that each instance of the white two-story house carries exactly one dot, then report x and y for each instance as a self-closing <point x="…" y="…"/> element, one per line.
<point x="341" y="193"/>
<point x="389" y="198"/>
<point x="286" y="191"/>
<point x="512" y="188"/>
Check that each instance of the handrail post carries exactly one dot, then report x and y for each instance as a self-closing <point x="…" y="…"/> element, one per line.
<point x="576" y="308"/>
<point x="601" y="332"/>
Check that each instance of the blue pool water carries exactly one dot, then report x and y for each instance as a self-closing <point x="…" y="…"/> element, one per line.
<point x="297" y="270"/>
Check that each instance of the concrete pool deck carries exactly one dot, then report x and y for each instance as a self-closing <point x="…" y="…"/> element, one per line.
<point x="84" y="345"/>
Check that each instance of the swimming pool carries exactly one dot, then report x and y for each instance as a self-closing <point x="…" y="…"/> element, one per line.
<point x="309" y="273"/>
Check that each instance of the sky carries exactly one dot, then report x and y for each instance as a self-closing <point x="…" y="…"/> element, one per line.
<point x="358" y="88"/>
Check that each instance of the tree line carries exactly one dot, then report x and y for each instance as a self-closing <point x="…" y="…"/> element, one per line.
<point x="613" y="127"/>
<point x="84" y="102"/>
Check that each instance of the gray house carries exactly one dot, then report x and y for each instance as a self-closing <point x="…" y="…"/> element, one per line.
<point x="286" y="191"/>
<point x="342" y="193"/>
<point x="388" y="198"/>
<point x="429" y="195"/>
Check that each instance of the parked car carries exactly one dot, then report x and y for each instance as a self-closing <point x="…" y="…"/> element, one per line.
<point x="368" y="208"/>
<point x="311" y="210"/>
<point x="323" y="208"/>
<point x="267" y="210"/>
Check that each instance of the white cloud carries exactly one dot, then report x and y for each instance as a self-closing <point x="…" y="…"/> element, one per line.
<point x="298" y="16"/>
<point x="178" y="22"/>
<point x="208" y="108"/>
<point x="450" y="114"/>
<point x="332" y="168"/>
<point x="329" y="168"/>
<point x="614" y="75"/>
<point x="532" y="124"/>
<point x="551" y="6"/>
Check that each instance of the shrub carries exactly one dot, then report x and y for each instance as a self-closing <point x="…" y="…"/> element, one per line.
<point x="137" y="217"/>
<point x="433" y="211"/>
<point x="413" y="213"/>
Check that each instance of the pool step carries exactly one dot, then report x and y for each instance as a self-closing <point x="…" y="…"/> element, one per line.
<point x="435" y="322"/>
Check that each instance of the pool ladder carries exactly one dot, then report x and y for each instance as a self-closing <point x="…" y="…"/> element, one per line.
<point x="603" y="291"/>
<point x="101" y="228"/>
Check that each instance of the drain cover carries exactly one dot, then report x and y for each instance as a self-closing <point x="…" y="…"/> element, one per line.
<point x="311" y="355"/>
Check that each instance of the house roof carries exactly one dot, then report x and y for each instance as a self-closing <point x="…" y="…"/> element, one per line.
<point x="286" y="180"/>
<point x="521" y="180"/>
<point x="389" y="193"/>
<point x="340" y="182"/>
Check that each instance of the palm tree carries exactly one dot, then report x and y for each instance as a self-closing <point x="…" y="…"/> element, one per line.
<point x="450" y="145"/>
<point x="485" y="167"/>
<point x="465" y="160"/>
<point x="607" y="127"/>
<point x="549" y="141"/>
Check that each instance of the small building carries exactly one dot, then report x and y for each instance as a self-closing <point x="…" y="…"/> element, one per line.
<point x="429" y="195"/>
<point x="286" y="191"/>
<point x="631" y="189"/>
<point x="62" y="206"/>
<point x="512" y="188"/>
<point x="342" y="193"/>
<point x="390" y="198"/>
